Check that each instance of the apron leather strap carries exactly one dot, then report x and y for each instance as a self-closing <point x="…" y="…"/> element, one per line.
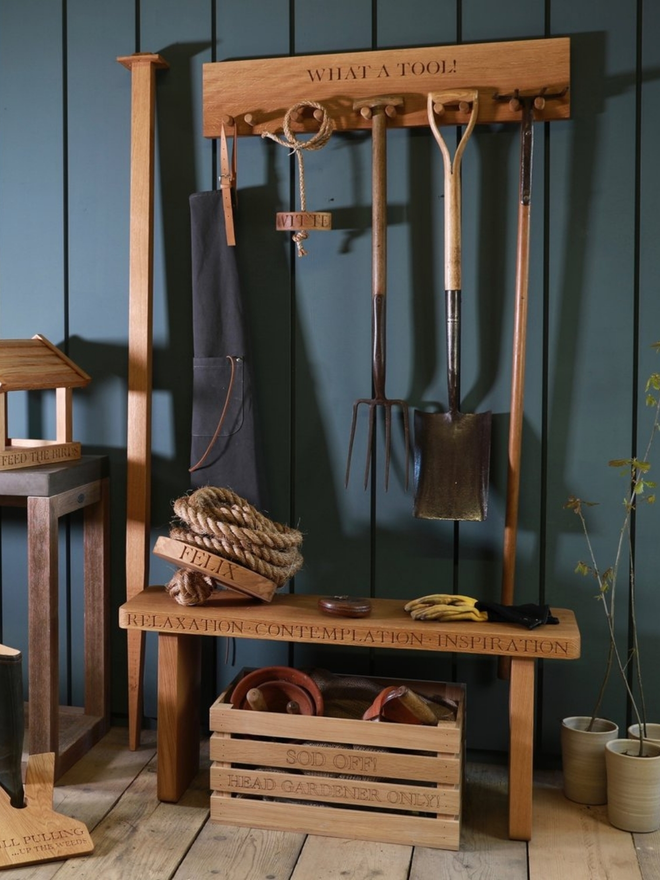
<point x="232" y="360"/>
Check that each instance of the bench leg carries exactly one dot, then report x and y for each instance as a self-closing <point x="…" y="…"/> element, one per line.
<point x="521" y="746"/>
<point x="179" y="672"/>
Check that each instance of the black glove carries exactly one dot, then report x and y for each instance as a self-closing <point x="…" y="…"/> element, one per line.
<point x="530" y="616"/>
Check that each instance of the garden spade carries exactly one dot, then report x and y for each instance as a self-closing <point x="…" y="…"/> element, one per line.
<point x="452" y="449"/>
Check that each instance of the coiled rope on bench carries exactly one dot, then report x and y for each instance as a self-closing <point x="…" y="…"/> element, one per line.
<point x="222" y="522"/>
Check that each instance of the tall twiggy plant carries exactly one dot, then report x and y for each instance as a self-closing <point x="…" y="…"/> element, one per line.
<point x="640" y="489"/>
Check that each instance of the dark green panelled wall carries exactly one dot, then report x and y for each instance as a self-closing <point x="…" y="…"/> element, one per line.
<point x="594" y="309"/>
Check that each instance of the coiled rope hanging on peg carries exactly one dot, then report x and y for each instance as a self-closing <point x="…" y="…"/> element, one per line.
<point x="301" y="221"/>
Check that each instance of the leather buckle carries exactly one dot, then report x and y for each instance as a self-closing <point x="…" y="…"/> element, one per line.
<point x="227" y="182"/>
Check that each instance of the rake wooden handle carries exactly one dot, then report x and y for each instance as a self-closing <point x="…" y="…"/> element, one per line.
<point x="518" y="356"/>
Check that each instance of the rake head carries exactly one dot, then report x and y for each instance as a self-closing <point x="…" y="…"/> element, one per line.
<point x="372" y="405"/>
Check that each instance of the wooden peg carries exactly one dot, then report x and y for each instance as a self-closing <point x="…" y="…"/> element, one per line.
<point x="256" y="700"/>
<point x="539" y="102"/>
<point x="514" y="105"/>
<point x="249" y="119"/>
<point x="318" y="115"/>
<point x="389" y="103"/>
<point x="464" y="106"/>
<point x="229" y="121"/>
<point x="438" y="109"/>
<point x="296" y="116"/>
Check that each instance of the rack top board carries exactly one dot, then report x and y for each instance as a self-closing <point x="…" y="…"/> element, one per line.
<point x="264" y="89"/>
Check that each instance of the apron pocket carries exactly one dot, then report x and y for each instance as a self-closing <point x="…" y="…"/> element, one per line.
<point x="211" y="382"/>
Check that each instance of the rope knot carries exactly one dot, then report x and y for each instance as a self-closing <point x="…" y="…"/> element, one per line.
<point x="316" y="142"/>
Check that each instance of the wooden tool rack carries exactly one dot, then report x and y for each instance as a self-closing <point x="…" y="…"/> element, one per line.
<point x="251" y="97"/>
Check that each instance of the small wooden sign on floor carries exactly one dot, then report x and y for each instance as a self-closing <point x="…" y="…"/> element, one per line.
<point x="36" y="833"/>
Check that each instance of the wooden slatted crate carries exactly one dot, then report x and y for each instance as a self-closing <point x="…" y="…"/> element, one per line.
<point x="382" y="781"/>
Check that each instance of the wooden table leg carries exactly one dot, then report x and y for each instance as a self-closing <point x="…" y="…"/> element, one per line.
<point x="179" y="673"/>
<point x="97" y="607"/>
<point x="521" y="748"/>
<point x="43" y="641"/>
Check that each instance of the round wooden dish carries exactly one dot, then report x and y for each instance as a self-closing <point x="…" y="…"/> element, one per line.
<point x="278" y="694"/>
<point x="344" y="606"/>
<point x="279" y="674"/>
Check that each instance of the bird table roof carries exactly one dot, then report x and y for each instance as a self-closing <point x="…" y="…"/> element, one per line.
<point x="36" y="364"/>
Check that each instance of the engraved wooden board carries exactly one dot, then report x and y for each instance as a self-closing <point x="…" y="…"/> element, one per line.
<point x="287" y="221"/>
<point x="321" y="758"/>
<point x="35" y="453"/>
<point x="225" y="571"/>
<point x="36" y="833"/>
<point x="333" y="790"/>
<point x="296" y="618"/>
<point x="263" y="90"/>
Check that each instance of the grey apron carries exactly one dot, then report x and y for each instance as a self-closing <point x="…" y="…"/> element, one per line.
<point x="222" y="368"/>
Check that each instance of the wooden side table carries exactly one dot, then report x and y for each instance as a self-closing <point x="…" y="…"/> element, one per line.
<point x="50" y="493"/>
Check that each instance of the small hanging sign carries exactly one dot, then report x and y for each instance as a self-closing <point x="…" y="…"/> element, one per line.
<point x="288" y="220"/>
<point x="301" y="221"/>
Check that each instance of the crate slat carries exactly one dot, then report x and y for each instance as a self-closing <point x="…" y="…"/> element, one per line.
<point x="441" y="833"/>
<point x="313" y="757"/>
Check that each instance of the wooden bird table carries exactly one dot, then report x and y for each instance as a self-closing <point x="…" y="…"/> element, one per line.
<point x="296" y="618"/>
<point x="49" y="493"/>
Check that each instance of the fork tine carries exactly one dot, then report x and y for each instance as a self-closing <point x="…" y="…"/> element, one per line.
<point x="406" y="437"/>
<point x="388" y="442"/>
<point x="387" y="405"/>
<point x="370" y="440"/>
<point x="350" y="442"/>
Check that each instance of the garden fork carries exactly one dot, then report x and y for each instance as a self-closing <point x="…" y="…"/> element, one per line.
<point x="377" y="109"/>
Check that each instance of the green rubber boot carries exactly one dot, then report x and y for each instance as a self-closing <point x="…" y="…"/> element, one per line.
<point x="12" y="724"/>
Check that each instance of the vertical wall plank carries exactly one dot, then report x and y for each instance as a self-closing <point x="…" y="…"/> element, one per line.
<point x="333" y="292"/>
<point x="247" y="30"/>
<point x="181" y="36"/>
<point x="98" y="145"/>
<point x="32" y="283"/>
<point x="414" y="556"/>
<point x="649" y="333"/>
<point x="490" y="199"/>
<point x="591" y="301"/>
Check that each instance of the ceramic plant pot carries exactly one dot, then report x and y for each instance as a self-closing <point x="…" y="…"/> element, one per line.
<point x="583" y="758"/>
<point x="652" y="733"/>
<point x="633" y="785"/>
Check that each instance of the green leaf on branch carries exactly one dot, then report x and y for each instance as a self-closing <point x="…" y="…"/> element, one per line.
<point x="653" y="381"/>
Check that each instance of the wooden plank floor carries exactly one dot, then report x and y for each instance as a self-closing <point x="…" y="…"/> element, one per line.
<point x="113" y="790"/>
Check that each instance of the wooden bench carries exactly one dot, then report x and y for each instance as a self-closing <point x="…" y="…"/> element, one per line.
<point x="296" y="618"/>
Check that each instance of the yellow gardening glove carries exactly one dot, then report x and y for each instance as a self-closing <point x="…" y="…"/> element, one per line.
<point x="446" y="607"/>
